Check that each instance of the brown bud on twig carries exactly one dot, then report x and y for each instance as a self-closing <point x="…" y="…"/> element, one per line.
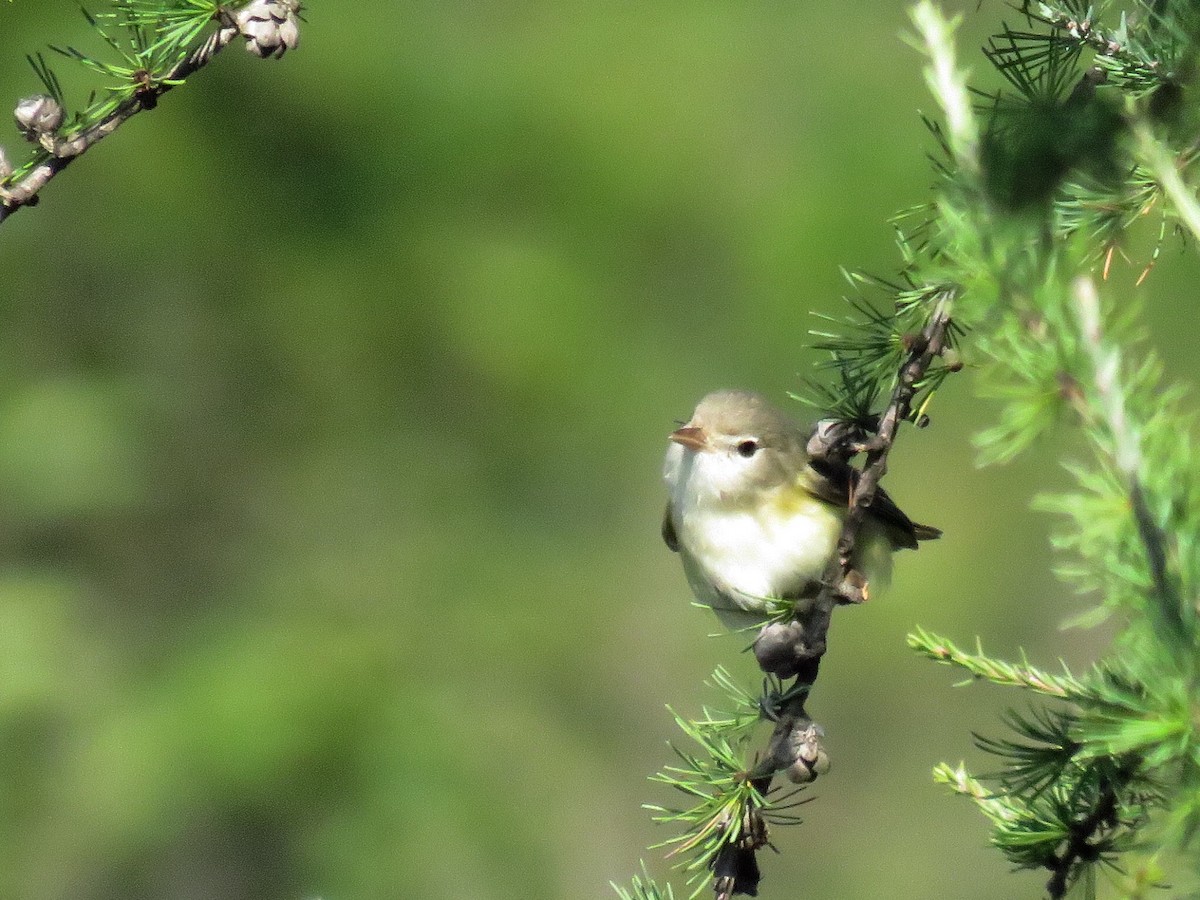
<point x="1086" y="88"/>
<point x="781" y="648"/>
<point x="854" y="587"/>
<point x="809" y="757"/>
<point x="1036" y="326"/>
<point x="833" y="439"/>
<point x="38" y="115"/>
<point x="270" y="27"/>
<point x="1070" y="390"/>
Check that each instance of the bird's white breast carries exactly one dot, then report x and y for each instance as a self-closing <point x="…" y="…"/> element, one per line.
<point x="738" y="551"/>
<point x="768" y="551"/>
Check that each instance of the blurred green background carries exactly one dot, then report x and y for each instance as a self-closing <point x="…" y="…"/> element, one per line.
<point x="333" y="395"/>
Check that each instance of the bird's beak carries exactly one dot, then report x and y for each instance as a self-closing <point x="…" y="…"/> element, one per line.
<point x="691" y="436"/>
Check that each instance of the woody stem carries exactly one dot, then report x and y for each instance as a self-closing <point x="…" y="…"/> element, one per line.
<point x="839" y="584"/>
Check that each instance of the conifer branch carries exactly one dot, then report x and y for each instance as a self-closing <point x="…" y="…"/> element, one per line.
<point x="1128" y="459"/>
<point x="269" y="27"/>
<point x="961" y="782"/>
<point x="794" y="647"/>
<point x="981" y="666"/>
<point x="1079" y="847"/>
<point x="797" y="647"/>
<point x="1166" y="171"/>
<point x="1080" y="780"/>
<point x="643" y="887"/>
<point x="948" y="84"/>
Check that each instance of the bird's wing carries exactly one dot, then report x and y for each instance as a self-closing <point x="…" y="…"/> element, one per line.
<point x="833" y="486"/>
<point x="668" y="529"/>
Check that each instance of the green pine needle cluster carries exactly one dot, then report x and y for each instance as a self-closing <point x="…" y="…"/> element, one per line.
<point x="867" y="346"/>
<point x="981" y="667"/>
<point x="642" y="887"/>
<point x="1064" y="798"/>
<point x="728" y="808"/>
<point x="176" y="24"/>
<point x="143" y="42"/>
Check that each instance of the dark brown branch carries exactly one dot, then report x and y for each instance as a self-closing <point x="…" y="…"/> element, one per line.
<point x="802" y="642"/>
<point x="1154" y="542"/>
<point x="841" y="583"/>
<point x="1079" y="847"/>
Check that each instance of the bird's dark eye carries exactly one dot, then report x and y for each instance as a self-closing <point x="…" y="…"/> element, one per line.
<point x="747" y="448"/>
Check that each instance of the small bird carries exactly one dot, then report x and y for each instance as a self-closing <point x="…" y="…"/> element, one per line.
<point x="755" y="520"/>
